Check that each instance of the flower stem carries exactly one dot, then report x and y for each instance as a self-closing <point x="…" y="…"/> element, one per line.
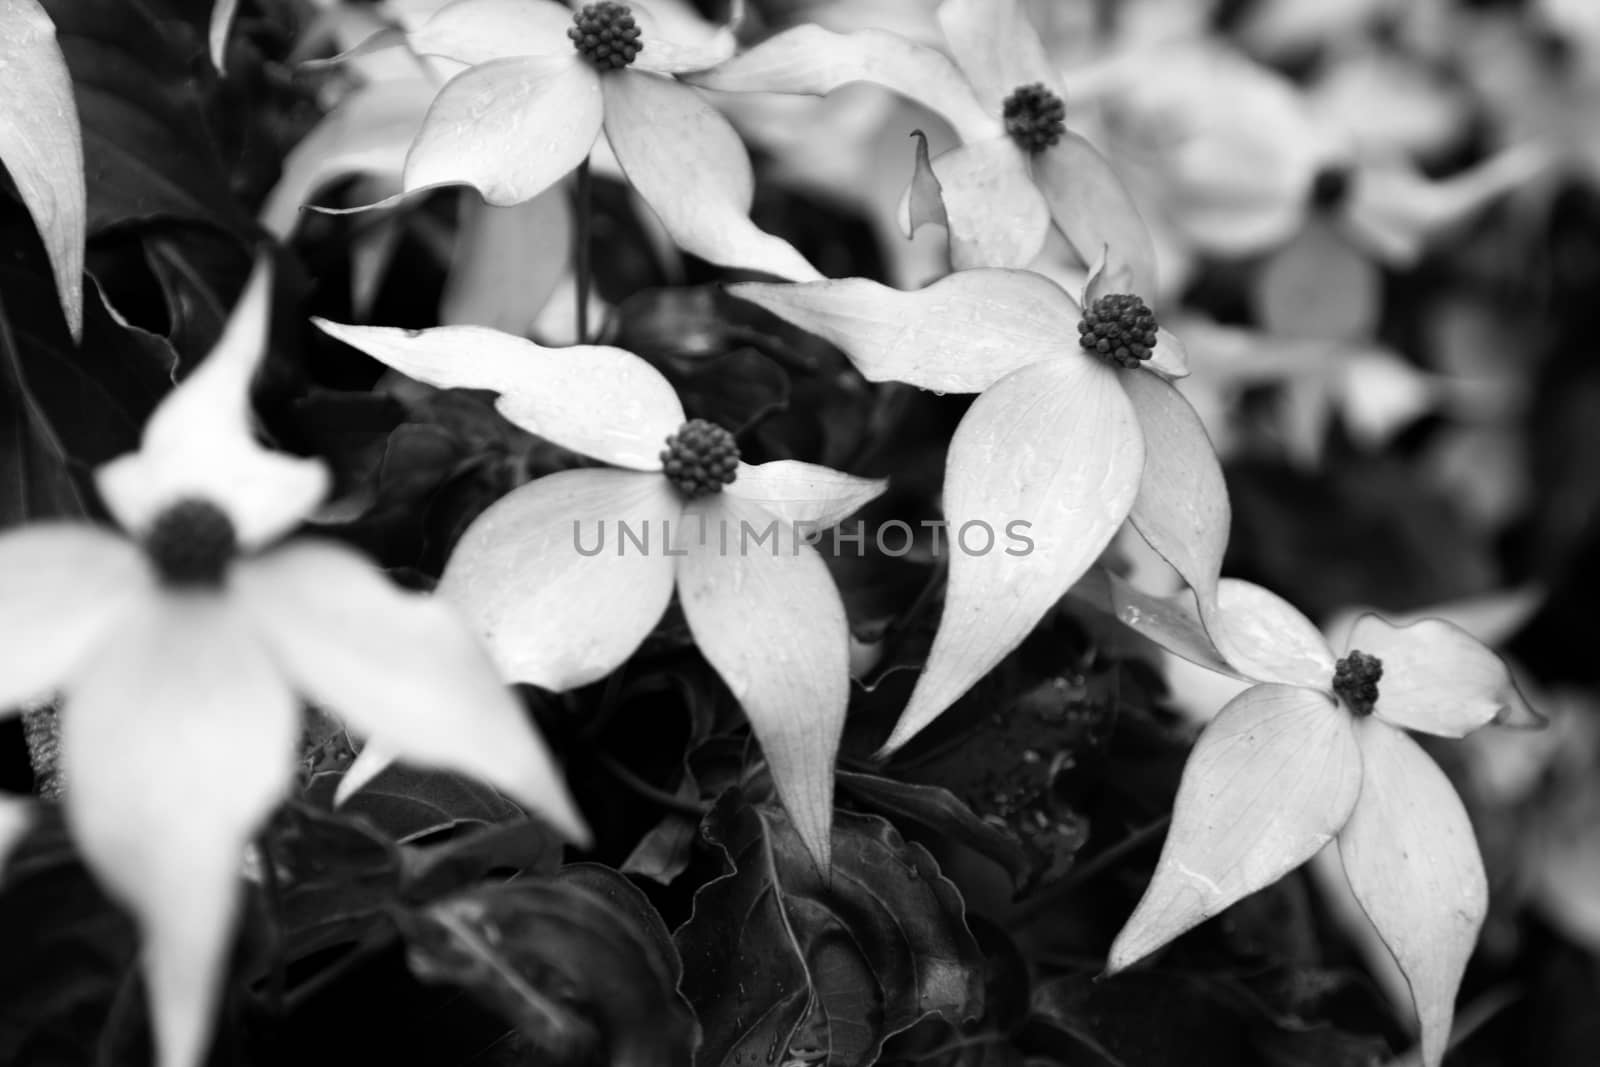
<point x="580" y="250"/>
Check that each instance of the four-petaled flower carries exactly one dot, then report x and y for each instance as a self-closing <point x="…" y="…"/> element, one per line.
<point x="183" y="654"/>
<point x="563" y="602"/>
<point x="1018" y="168"/>
<point x="1317" y="752"/>
<point x="1071" y="435"/>
<point x="542" y="82"/>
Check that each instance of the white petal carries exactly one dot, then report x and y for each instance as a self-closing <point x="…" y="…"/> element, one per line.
<point x="179" y="740"/>
<point x="370" y="762"/>
<point x="1413" y="862"/>
<point x="1169" y="621"/>
<point x="815" y="61"/>
<point x="369" y="133"/>
<point x="15" y="814"/>
<point x="995" y="213"/>
<point x="1269" y="783"/>
<point x="399" y="667"/>
<point x="1055" y="445"/>
<point x="689" y="165"/>
<point x="199" y="444"/>
<point x="63" y="589"/>
<point x="1182" y="508"/>
<point x="1266" y="638"/>
<point x="804" y="492"/>
<point x="221" y="22"/>
<point x="791" y="674"/>
<point x="1096" y="214"/>
<point x="510" y="128"/>
<point x="1436" y="677"/>
<point x="1170" y="358"/>
<point x="479" y="31"/>
<point x="42" y="147"/>
<point x="508" y="262"/>
<point x="1319" y="287"/>
<point x="961" y="334"/>
<point x="997" y="48"/>
<point x="672" y="41"/>
<point x="603" y="402"/>
<point x="560" y="598"/>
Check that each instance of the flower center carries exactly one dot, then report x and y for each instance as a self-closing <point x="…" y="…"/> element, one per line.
<point x="191" y="543"/>
<point x="700" y="458"/>
<point x="1119" y="328"/>
<point x="1035" y="117"/>
<point x="1355" y="681"/>
<point x="1330" y="188"/>
<point x="605" y="34"/>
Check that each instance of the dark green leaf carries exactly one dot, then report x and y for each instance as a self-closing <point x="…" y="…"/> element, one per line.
<point x="779" y="961"/>
<point x="407" y="804"/>
<point x="337" y="877"/>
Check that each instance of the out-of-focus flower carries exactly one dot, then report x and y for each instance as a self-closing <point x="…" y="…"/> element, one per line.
<point x="562" y="602"/>
<point x="1070" y="437"/>
<point x="41" y="145"/>
<point x="183" y="653"/>
<point x="542" y="81"/>
<point x="1018" y="168"/>
<point x="1316" y="751"/>
<point x="13" y="824"/>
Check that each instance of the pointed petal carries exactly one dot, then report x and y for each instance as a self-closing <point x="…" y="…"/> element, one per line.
<point x="1170" y="358"/>
<point x="548" y="577"/>
<point x="510" y="128"/>
<point x="1436" y="677"/>
<point x="1182" y="508"/>
<point x="961" y="334"/>
<point x="1169" y="621"/>
<point x="603" y="402"/>
<point x="370" y="762"/>
<point x="804" y="492"/>
<point x="924" y="197"/>
<point x="1096" y="214"/>
<point x="480" y="31"/>
<point x="64" y="587"/>
<point x="199" y="442"/>
<point x="1266" y="638"/>
<point x="815" y="61"/>
<point x="689" y="165"/>
<point x="1269" y="783"/>
<point x="791" y="674"/>
<point x="1413" y="862"/>
<point x="508" y="262"/>
<point x="369" y="133"/>
<point x="41" y="145"/>
<point x="997" y="48"/>
<point x="221" y="22"/>
<point x="400" y="667"/>
<point x="179" y="739"/>
<point x="995" y="213"/>
<point x="673" y="42"/>
<point x="1057" y="446"/>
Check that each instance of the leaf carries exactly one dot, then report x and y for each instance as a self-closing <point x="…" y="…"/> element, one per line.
<point x="144" y="90"/>
<point x="806" y="964"/>
<point x="407" y="804"/>
<point x="578" y="962"/>
<point x="337" y="874"/>
<point x="41" y="146"/>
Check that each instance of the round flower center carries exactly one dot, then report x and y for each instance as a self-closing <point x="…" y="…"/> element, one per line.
<point x="1330" y="188"/>
<point x="1355" y="681"/>
<point x="1035" y="117"/>
<point x="191" y="544"/>
<point x="605" y="34"/>
<point x="1119" y="328"/>
<point x="700" y="458"/>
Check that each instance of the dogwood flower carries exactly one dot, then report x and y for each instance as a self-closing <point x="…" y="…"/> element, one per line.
<point x="183" y="651"/>
<point x="1018" y="168"/>
<point x="41" y="145"/>
<point x="561" y="603"/>
<point x="1069" y="438"/>
<point x="541" y="84"/>
<point x="1316" y="751"/>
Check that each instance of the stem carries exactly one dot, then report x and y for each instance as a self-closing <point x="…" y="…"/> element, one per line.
<point x="580" y="250"/>
<point x="692" y="808"/>
<point x="1045" y="901"/>
<point x="272" y="889"/>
